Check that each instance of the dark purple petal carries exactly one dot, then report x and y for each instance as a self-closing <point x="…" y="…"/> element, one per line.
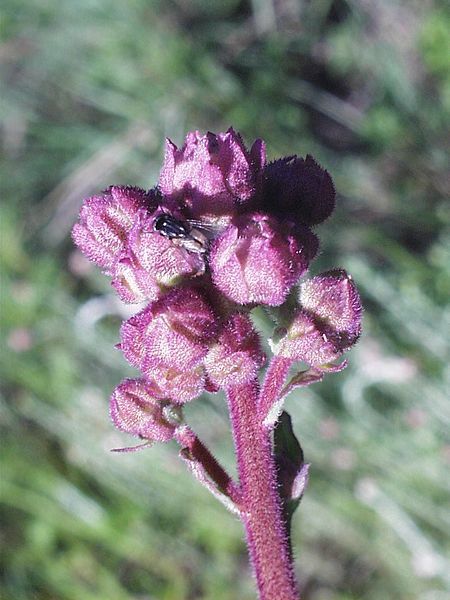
<point x="299" y="189"/>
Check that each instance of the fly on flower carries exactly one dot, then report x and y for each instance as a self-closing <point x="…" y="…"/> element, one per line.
<point x="186" y="234"/>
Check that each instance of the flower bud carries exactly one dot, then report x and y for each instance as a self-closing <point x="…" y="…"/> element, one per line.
<point x="328" y="321"/>
<point x="258" y="260"/>
<point x="151" y="262"/>
<point x="236" y="357"/>
<point x="333" y="300"/>
<point x="306" y="342"/>
<point x="300" y="188"/>
<point x="179" y="386"/>
<point x="137" y="409"/>
<point x="105" y="222"/>
<point x="174" y="332"/>
<point x="211" y="173"/>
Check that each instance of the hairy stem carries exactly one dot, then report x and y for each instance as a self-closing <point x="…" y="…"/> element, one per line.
<point x="271" y="397"/>
<point x="212" y="468"/>
<point x="261" y="513"/>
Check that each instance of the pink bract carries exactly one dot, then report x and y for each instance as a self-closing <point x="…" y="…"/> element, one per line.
<point x="136" y="408"/>
<point x="328" y="321"/>
<point x="174" y="332"/>
<point x="307" y="343"/>
<point x="257" y="260"/>
<point x="211" y="174"/>
<point x="179" y="386"/>
<point x="105" y="222"/>
<point x="333" y="300"/>
<point x="237" y="356"/>
<point x="149" y="263"/>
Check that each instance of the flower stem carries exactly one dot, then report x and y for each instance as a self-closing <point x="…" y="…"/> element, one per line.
<point x="271" y="397"/>
<point x="199" y="453"/>
<point x="267" y="538"/>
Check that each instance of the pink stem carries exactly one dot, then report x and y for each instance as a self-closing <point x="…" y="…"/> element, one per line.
<point x="199" y="452"/>
<point x="274" y="382"/>
<point x="267" y="538"/>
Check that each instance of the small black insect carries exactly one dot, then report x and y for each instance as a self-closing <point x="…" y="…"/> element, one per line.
<point x="181" y="233"/>
<point x="170" y="227"/>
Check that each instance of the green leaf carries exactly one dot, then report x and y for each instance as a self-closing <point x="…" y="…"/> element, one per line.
<point x="291" y="468"/>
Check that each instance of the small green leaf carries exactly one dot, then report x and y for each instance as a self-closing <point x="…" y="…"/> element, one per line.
<point x="292" y="470"/>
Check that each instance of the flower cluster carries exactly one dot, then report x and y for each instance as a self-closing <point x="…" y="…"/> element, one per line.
<point x="222" y="232"/>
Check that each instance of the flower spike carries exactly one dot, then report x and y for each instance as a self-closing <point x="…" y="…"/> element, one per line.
<point x="221" y="234"/>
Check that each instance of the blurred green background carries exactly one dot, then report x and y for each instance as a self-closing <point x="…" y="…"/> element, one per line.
<point x="90" y="89"/>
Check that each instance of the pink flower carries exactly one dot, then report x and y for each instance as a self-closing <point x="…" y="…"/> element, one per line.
<point x="237" y="355"/>
<point x="333" y="300"/>
<point x="306" y="342"/>
<point x="173" y="332"/>
<point x="257" y="259"/>
<point x="327" y="322"/>
<point x="136" y="408"/>
<point x="211" y="174"/>
<point x="106" y="221"/>
<point x="150" y="263"/>
<point x="179" y="386"/>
